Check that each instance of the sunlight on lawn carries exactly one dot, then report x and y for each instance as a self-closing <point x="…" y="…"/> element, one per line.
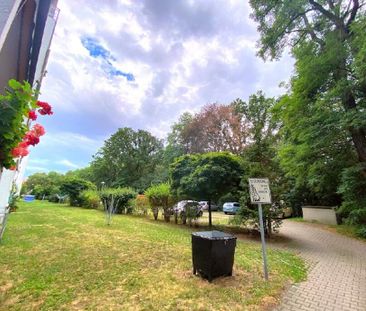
<point x="56" y="257"/>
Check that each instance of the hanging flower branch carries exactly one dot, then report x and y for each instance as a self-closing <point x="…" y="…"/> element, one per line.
<point x="19" y="107"/>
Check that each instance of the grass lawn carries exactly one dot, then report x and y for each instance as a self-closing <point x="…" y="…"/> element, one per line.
<point x="55" y="257"/>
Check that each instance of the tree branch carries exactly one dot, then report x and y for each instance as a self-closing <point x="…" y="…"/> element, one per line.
<point x="332" y="17"/>
<point x="356" y="6"/>
<point x="312" y="32"/>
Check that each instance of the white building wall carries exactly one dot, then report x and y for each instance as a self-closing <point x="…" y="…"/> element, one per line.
<point x="8" y="10"/>
<point x="6" y="182"/>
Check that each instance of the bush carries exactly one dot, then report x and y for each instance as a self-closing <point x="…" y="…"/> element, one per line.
<point x="361" y="232"/>
<point x="249" y="217"/>
<point x="90" y="199"/>
<point x="74" y="187"/>
<point x="159" y="196"/>
<point x="141" y="205"/>
<point x="353" y="191"/>
<point x="118" y="199"/>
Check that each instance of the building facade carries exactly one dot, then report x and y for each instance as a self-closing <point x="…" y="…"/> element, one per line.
<point x="26" y="31"/>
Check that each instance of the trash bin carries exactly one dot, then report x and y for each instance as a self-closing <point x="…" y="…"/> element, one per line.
<point x="213" y="254"/>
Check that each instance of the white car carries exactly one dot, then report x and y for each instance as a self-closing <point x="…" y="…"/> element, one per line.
<point x="204" y="205"/>
<point x="230" y="207"/>
<point x="181" y="206"/>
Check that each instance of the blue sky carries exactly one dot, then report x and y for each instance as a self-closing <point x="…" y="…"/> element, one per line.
<point x="141" y="64"/>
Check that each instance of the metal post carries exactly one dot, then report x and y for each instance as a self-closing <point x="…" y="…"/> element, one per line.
<point x="209" y="214"/>
<point x="264" y="253"/>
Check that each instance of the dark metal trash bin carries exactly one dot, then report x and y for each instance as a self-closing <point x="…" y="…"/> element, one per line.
<point x="213" y="253"/>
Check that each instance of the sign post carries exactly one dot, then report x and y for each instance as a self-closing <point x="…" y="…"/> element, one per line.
<point x="260" y="194"/>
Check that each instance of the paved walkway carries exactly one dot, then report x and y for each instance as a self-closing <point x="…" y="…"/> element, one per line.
<point x="337" y="273"/>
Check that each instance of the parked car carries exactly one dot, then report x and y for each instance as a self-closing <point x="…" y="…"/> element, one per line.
<point x="204" y="205"/>
<point x="181" y="207"/>
<point x="230" y="207"/>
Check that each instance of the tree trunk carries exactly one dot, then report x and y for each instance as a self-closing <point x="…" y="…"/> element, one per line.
<point x="167" y="215"/>
<point x="209" y="214"/>
<point x="184" y="218"/>
<point x="359" y="140"/>
<point x="156" y="213"/>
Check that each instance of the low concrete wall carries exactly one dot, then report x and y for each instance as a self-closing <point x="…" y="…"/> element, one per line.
<point x="322" y="214"/>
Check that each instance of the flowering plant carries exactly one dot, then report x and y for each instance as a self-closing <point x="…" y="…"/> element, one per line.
<point x="19" y="107"/>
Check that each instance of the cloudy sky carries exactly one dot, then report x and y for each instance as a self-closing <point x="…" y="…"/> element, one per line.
<point x="140" y="64"/>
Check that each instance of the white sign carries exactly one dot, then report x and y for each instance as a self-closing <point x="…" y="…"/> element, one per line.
<point x="259" y="190"/>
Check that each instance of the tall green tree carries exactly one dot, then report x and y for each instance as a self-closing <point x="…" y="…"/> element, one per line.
<point x="205" y="176"/>
<point x="128" y="158"/>
<point x="324" y="115"/>
<point x="328" y="42"/>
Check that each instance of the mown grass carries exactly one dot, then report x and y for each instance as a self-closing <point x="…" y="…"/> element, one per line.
<point x="55" y="257"/>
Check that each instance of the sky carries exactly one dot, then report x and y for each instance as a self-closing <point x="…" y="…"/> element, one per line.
<point x="141" y="64"/>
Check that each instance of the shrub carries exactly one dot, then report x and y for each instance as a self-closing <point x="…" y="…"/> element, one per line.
<point x="159" y="196"/>
<point x="361" y="232"/>
<point x="141" y="205"/>
<point x="353" y="191"/>
<point x="117" y="199"/>
<point x="74" y="187"/>
<point x="90" y="199"/>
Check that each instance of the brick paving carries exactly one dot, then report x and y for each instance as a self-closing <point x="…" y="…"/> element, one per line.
<point x="337" y="270"/>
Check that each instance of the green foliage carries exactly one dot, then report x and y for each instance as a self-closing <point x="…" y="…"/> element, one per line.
<point x="18" y="100"/>
<point x="82" y="173"/>
<point x="44" y="185"/>
<point x="128" y="158"/>
<point x="160" y="196"/>
<point x="205" y="176"/>
<point x="361" y="232"/>
<point x="90" y="199"/>
<point x="353" y="191"/>
<point x="74" y="187"/>
<point x="141" y="205"/>
<point x="118" y="199"/>
<point x="324" y="114"/>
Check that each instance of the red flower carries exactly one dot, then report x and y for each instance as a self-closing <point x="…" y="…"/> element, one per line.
<point x="46" y="108"/>
<point x="13" y="168"/>
<point x="38" y="130"/>
<point x="23" y="144"/>
<point x="19" y="152"/>
<point x="32" y="115"/>
<point x="31" y="138"/>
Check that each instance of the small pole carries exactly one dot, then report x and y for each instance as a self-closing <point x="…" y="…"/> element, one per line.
<point x="264" y="253"/>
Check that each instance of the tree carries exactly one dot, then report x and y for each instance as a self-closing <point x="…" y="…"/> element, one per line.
<point x="205" y="176"/>
<point x="260" y="159"/>
<point x="329" y="37"/>
<point x="324" y="113"/>
<point x="215" y="128"/>
<point x="159" y="196"/>
<point x="128" y="158"/>
<point x="83" y="173"/>
<point x="43" y="185"/>
<point x="73" y="187"/>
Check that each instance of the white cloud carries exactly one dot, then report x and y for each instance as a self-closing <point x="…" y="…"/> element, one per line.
<point x="68" y="164"/>
<point x="183" y="55"/>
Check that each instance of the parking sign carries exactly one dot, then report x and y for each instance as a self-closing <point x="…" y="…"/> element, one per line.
<point x="259" y="191"/>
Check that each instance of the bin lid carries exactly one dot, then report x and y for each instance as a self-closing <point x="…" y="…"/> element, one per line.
<point x="214" y="235"/>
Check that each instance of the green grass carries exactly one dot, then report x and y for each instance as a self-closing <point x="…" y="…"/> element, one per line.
<point x="55" y="257"/>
